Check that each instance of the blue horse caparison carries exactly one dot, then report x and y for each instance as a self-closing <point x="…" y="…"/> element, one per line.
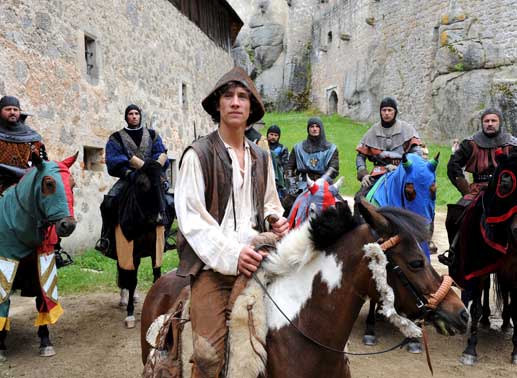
<point x="411" y="186"/>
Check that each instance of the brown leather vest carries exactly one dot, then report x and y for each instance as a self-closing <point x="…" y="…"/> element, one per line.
<point x="217" y="173"/>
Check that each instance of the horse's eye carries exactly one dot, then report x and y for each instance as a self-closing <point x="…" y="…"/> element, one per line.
<point x="48" y="186"/>
<point x="506" y="184"/>
<point x="416" y="264"/>
<point x="432" y="191"/>
<point x="410" y="192"/>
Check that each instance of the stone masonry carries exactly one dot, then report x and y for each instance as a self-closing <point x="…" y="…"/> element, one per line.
<point x="443" y="60"/>
<point x="145" y="53"/>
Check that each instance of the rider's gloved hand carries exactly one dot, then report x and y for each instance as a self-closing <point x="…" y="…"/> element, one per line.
<point x="361" y="172"/>
<point x="390" y="167"/>
<point x="366" y="181"/>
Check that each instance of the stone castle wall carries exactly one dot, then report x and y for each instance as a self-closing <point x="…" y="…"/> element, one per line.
<point x="444" y="61"/>
<point x="148" y="54"/>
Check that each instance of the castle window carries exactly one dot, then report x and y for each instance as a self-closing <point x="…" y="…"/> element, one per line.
<point x="90" y="57"/>
<point x="329" y="37"/>
<point x="93" y="158"/>
<point x="184" y="97"/>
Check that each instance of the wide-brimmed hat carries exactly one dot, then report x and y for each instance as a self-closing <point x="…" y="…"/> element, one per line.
<point x="236" y="74"/>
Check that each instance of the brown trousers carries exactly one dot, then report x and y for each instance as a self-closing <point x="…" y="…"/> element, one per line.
<point x="210" y="294"/>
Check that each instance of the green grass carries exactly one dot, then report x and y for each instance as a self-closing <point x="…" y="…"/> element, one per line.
<point x="346" y="134"/>
<point x="91" y="272"/>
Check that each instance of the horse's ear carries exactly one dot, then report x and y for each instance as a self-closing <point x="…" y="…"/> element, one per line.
<point x="500" y="156"/>
<point x="329" y="173"/>
<point x="338" y="183"/>
<point x="433" y="163"/>
<point x="373" y="218"/>
<point x="69" y="161"/>
<point x="406" y="163"/>
<point x="310" y="183"/>
<point x="37" y="160"/>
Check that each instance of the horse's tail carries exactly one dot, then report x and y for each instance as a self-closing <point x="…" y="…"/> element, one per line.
<point x="502" y="291"/>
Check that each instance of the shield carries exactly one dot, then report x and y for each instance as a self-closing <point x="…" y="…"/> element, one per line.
<point x="8" y="269"/>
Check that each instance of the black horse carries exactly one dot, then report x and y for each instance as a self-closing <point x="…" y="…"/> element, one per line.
<point x="145" y="215"/>
<point x="487" y="243"/>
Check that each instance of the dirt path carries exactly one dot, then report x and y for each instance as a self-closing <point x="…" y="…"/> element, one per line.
<point x="91" y="342"/>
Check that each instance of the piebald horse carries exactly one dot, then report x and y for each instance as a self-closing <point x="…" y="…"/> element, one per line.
<point x="322" y="272"/>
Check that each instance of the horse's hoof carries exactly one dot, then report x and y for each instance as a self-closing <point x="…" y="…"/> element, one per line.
<point x="130" y="321"/>
<point x="369" y="340"/>
<point x="485" y="322"/>
<point x="414" y="347"/>
<point x="514" y="359"/>
<point x="3" y="356"/>
<point x="124" y="297"/>
<point x="47" y="351"/>
<point x="468" y="359"/>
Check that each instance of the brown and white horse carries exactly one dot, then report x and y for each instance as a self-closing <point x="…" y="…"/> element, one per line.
<point x="322" y="273"/>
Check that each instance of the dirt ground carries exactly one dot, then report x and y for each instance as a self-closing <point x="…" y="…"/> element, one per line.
<point x="91" y="342"/>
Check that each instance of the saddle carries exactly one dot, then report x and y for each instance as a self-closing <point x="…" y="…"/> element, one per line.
<point x="170" y="335"/>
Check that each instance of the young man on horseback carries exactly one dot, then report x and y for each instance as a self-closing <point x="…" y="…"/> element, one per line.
<point x="127" y="151"/>
<point x="17" y="140"/>
<point x="279" y="157"/>
<point x="313" y="157"/>
<point x="384" y="144"/>
<point x="224" y="194"/>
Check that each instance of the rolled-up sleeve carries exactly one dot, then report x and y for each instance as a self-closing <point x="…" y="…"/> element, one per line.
<point x="218" y="251"/>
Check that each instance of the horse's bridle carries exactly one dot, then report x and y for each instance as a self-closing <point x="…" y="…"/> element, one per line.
<point x="424" y="303"/>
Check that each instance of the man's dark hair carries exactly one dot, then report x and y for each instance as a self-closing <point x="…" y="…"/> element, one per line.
<point x="216" y="117"/>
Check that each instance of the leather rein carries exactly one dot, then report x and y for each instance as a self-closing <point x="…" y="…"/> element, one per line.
<point x="425" y="303"/>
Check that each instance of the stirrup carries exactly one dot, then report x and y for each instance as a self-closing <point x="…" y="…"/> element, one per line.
<point x="102" y="245"/>
<point x="63" y="258"/>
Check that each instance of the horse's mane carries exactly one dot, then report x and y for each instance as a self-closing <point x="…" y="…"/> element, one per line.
<point x="328" y="226"/>
<point x="405" y="223"/>
<point x="304" y="243"/>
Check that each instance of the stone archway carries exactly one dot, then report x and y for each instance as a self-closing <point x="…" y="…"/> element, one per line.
<point x="332" y="102"/>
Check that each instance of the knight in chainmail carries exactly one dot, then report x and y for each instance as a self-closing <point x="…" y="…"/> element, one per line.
<point x="384" y="144"/>
<point x="127" y="150"/>
<point x="17" y="140"/>
<point x="476" y="154"/>
<point x="312" y="157"/>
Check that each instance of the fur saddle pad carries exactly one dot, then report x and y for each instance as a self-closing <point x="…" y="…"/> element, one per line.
<point x="170" y="336"/>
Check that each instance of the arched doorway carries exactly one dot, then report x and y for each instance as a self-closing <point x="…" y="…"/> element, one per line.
<point x="332" y="107"/>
